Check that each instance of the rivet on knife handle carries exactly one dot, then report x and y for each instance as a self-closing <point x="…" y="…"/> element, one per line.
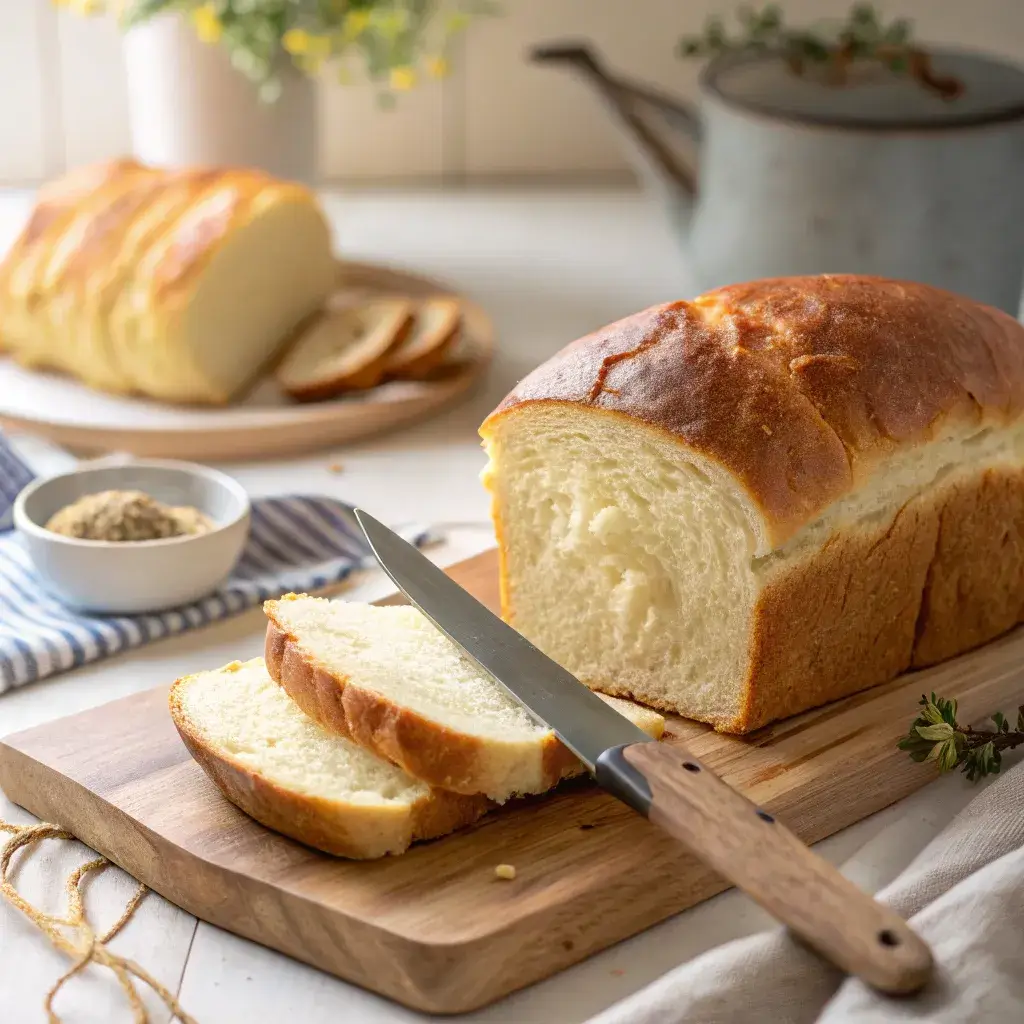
<point x="749" y="848"/>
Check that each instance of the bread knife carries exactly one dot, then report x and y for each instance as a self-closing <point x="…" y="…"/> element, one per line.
<point x="671" y="787"/>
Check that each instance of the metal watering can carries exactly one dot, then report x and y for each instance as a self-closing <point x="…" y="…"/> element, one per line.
<point x="781" y="174"/>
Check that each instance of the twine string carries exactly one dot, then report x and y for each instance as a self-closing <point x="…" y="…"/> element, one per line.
<point x="83" y="945"/>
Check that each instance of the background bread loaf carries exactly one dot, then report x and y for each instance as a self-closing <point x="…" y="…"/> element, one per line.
<point x="176" y="285"/>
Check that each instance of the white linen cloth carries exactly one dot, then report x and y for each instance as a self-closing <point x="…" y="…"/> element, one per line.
<point x="964" y="894"/>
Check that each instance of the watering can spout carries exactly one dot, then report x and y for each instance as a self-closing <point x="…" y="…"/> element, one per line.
<point x="650" y="125"/>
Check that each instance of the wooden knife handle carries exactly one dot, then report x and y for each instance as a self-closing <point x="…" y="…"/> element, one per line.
<point x="749" y="848"/>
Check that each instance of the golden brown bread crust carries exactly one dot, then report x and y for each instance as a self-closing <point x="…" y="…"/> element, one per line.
<point x="125" y="244"/>
<point x="797" y="386"/>
<point x="974" y="590"/>
<point x="366" y="372"/>
<point x="57" y="204"/>
<point x="430" y="752"/>
<point x="406" y="362"/>
<point x="344" y="830"/>
<point x="424" y="365"/>
<point x="946" y="576"/>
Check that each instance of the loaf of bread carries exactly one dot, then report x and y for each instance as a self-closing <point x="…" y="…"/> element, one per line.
<point x="387" y="679"/>
<point x="176" y="285"/>
<point x="775" y="495"/>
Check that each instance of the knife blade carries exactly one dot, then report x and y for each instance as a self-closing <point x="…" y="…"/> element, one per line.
<point x="669" y="785"/>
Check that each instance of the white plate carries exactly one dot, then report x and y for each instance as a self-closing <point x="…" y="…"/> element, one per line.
<point x="265" y="422"/>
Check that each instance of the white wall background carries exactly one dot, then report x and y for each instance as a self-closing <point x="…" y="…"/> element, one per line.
<point x="63" y="98"/>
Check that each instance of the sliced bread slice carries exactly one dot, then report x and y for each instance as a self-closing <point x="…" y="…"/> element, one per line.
<point x="297" y="778"/>
<point x="386" y="678"/>
<point x="433" y="334"/>
<point x="345" y="349"/>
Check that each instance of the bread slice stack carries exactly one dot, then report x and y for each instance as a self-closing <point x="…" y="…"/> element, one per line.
<point x="355" y="347"/>
<point x="365" y="730"/>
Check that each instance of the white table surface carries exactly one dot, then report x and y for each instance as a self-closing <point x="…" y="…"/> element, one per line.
<point x="548" y="266"/>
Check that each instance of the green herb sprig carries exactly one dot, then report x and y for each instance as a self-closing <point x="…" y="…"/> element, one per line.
<point x="832" y="47"/>
<point x="935" y="735"/>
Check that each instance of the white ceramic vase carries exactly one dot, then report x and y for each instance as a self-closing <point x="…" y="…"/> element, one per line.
<point x="188" y="106"/>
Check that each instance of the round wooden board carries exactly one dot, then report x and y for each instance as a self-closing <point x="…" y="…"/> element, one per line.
<point x="263" y="424"/>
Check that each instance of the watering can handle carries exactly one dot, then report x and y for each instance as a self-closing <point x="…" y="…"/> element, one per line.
<point x="661" y="161"/>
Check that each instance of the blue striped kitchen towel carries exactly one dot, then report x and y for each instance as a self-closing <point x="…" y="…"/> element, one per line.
<point x="296" y="543"/>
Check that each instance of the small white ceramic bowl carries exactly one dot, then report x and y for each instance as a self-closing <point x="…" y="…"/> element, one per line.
<point x="129" y="578"/>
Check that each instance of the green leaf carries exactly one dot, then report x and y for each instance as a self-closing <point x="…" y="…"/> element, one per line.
<point x="1020" y="719"/>
<point x="936" y="733"/>
<point x="863" y="14"/>
<point x="932" y="714"/>
<point x="947" y="756"/>
<point x="948" y="709"/>
<point x="771" y="16"/>
<point x="714" y="31"/>
<point x="915" y="743"/>
<point x="898" y="33"/>
<point x="986" y="760"/>
<point x="999" y="720"/>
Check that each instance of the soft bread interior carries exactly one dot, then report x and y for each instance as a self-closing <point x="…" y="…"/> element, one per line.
<point x="242" y="713"/>
<point x="626" y="561"/>
<point x="638" y="566"/>
<point x="397" y="653"/>
<point x="433" y="711"/>
<point x="264" y="279"/>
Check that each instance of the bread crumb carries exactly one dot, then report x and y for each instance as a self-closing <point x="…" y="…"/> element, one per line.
<point x="335" y="467"/>
<point x="506" y="871"/>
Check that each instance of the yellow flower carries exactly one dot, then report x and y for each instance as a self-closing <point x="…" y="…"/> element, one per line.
<point x="298" y="41"/>
<point x="402" y="79"/>
<point x="437" y="67"/>
<point x="356" y="23"/>
<point x="207" y="24"/>
<point x="85" y="7"/>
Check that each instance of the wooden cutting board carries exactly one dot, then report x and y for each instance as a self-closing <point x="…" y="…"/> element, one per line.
<point x="434" y="929"/>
